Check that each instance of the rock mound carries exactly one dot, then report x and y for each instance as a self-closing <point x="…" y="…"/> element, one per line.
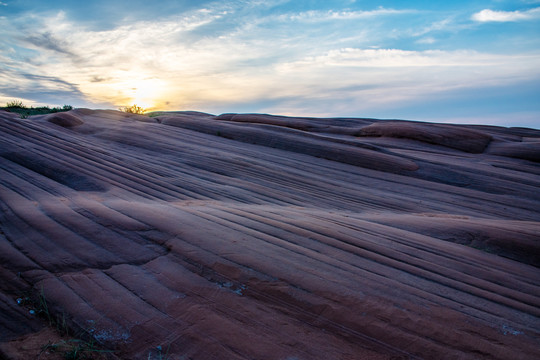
<point x="295" y="141"/>
<point x="64" y="119"/>
<point x="520" y="150"/>
<point x="459" y="138"/>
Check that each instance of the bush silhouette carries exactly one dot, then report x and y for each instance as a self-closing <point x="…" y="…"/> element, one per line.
<point x="17" y="106"/>
<point x="133" y="109"/>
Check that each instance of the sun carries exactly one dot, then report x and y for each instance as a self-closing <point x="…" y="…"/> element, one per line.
<point x="145" y="93"/>
<point x="126" y="89"/>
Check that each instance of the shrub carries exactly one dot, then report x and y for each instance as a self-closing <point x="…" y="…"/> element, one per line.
<point x="15" y="104"/>
<point x="60" y="109"/>
<point x="133" y="109"/>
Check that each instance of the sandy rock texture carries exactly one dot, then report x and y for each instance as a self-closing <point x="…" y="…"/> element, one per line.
<point x="250" y="236"/>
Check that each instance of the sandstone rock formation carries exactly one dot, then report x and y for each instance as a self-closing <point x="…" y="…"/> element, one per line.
<point x="248" y="236"/>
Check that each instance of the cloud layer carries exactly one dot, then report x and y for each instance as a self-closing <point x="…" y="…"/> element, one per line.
<point x="260" y="56"/>
<point x="488" y="15"/>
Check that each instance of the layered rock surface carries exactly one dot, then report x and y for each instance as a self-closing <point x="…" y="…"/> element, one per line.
<point x="248" y="236"/>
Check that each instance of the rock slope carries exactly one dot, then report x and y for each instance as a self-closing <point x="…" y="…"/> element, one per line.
<point x="249" y="236"/>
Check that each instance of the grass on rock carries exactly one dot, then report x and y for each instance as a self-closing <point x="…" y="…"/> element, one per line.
<point x="24" y="111"/>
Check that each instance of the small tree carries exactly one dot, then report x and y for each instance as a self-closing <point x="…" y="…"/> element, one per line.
<point x="133" y="109"/>
<point x="15" y="104"/>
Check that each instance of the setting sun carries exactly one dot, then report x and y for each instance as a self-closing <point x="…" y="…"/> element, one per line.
<point x="145" y="93"/>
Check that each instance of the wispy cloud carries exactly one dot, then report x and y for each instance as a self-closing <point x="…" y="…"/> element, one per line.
<point x="48" y="41"/>
<point x="97" y="79"/>
<point x="488" y="15"/>
<point x="52" y="90"/>
<point x="427" y="40"/>
<point x="398" y="75"/>
<point x="364" y="80"/>
<point x="330" y="15"/>
<point x="440" y="25"/>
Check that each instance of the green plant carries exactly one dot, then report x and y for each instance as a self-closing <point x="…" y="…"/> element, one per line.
<point x="43" y="308"/>
<point x="24" y="111"/>
<point x="59" y="109"/>
<point x="133" y="109"/>
<point x="76" y="349"/>
<point x="15" y="104"/>
<point x="160" y="354"/>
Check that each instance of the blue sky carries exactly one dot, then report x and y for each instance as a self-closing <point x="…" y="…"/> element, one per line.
<point x="445" y="61"/>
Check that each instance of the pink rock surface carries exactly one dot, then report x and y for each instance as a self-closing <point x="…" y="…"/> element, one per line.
<point x="455" y="137"/>
<point x="64" y="119"/>
<point x="261" y="237"/>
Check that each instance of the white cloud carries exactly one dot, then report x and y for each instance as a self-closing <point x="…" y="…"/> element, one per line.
<point x="427" y="40"/>
<point x="317" y="15"/>
<point x="488" y="15"/>
<point x="389" y="76"/>
<point x="395" y="58"/>
<point x="441" y="25"/>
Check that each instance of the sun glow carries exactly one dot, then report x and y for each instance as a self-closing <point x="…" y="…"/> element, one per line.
<point x="124" y="90"/>
<point x="146" y="93"/>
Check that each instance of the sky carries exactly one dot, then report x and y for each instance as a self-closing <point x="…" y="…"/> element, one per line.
<point x="474" y="61"/>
